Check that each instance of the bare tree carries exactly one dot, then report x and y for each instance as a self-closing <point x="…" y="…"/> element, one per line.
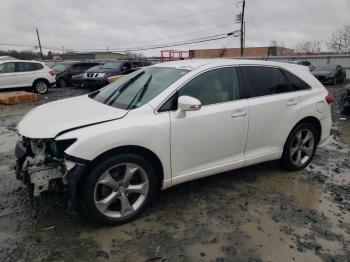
<point x="309" y="46"/>
<point x="340" y="40"/>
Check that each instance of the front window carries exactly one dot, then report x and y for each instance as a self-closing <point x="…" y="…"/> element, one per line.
<point x="213" y="87"/>
<point x="139" y="87"/>
<point x="7" y="67"/>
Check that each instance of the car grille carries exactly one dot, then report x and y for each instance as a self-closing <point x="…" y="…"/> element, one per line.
<point x="92" y="75"/>
<point x="321" y="78"/>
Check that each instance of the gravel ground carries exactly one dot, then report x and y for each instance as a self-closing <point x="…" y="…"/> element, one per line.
<point x="260" y="213"/>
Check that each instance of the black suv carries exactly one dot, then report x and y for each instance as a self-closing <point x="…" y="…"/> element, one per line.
<point x="98" y="77"/>
<point x="65" y="70"/>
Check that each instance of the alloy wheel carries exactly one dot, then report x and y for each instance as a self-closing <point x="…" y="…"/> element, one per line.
<point x="121" y="190"/>
<point x="302" y="147"/>
<point x="41" y="87"/>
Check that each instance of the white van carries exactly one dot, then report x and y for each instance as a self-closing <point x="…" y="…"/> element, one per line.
<point x="26" y="74"/>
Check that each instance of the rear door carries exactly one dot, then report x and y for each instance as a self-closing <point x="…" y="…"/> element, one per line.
<point x="8" y="78"/>
<point x="273" y="110"/>
<point x="25" y="74"/>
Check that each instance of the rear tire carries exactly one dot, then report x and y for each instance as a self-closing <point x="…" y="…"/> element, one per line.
<point x="300" y="147"/>
<point x="118" y="190"/>
<point x="41" y="86"/>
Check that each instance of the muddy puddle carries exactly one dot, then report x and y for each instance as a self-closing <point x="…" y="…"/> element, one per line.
<point x="260" y="213"/>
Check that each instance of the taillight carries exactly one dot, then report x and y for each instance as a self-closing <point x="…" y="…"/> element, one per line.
<point x="52" y="73"/>
<point x="329" y="99"/>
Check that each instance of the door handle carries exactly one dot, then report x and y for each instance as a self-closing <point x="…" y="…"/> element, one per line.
<point x="238" y="114"/>
<point x="292" y="103"/>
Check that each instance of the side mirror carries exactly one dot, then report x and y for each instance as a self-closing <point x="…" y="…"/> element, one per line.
<point x="188" y="103"/>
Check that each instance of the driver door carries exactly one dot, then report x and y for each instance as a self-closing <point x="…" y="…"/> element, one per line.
<point x="212" y="139"/>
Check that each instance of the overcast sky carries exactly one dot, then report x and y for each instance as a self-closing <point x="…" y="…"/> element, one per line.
<point x="116" y="24"/>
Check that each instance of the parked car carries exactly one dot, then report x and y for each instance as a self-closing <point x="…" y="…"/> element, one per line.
<point x="65" y="71"/>
<point x="167" y="124"/>
<point x="99" y="78"/>
<point x="78" y="80"/>
<point x="305" y="63"/>
<point x="333" y="74"/>
<point x="111" y="79"/>
<point x="344" y="101"/>
<point x="26" y="74"/>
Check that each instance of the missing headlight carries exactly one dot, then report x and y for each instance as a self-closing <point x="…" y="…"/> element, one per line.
<point x="56" y="148"/>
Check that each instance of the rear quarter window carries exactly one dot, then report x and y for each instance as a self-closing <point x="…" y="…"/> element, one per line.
<point x="295" y="82"/>
<point x="36" y="66"/>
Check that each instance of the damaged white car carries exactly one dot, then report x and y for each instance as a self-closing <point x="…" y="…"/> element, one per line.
<point x="167" y="124"/>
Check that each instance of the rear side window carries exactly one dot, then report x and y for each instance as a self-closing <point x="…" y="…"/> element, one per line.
<point x="137" y="64"/>
<point x="23" y="67"/>
<point x="296" y="83"/>
<point x="212" y="87"/>
<point x="262" y="81"/>
<point x="27" y="67"/>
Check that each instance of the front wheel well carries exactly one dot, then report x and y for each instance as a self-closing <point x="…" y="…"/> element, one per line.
<point x="137" y="150"/>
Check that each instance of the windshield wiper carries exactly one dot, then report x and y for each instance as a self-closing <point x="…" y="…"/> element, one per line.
<point x="142" y="92"/>
<point x="122" y="88"/>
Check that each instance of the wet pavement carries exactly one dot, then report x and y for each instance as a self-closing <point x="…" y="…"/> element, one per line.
<point x="260" y="213"/>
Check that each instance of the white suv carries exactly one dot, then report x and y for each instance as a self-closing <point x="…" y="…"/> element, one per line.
<point x="26" y="74"/>
<point x="170" y="123"/>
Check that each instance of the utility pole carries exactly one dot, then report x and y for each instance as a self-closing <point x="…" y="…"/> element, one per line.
<point x="41" y="52"/>
<point x="242" y="28"/>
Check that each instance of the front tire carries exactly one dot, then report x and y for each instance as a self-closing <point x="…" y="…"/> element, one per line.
<point x="300" y="147"/>
<point x="62" y="83"/>
<point x="41" y="86"/>
<point x="119" y="190"/>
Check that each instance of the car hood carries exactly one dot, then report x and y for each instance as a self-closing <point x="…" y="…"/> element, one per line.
<point x="321" y="73"/>
<point x="51" y="119"/>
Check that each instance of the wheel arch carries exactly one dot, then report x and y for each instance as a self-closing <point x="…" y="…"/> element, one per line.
<point x="41" y="79"/>
<point x="129" y="149"/>
<point x="314" y="121"/>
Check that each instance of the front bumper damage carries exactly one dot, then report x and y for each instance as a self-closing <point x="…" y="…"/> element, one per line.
<point x="40" y="171"/>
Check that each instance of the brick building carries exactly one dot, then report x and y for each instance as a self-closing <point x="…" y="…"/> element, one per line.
<point x="236" y="52"/>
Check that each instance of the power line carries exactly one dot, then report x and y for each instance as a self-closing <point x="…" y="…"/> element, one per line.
<point x="18" y="45"/>
<point x="137" y="47"/>
<point x="193" y="41"/>
<point x="128" y="49"/>
<point x="144" y="24"/>
<point x="177" y="36"/>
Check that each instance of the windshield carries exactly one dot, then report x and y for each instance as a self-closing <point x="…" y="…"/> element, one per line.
<point x="60" y="67"/>
<point x="326" y="68"/>
<point x="111" y="65"/>
<point x="139" y="87"/>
